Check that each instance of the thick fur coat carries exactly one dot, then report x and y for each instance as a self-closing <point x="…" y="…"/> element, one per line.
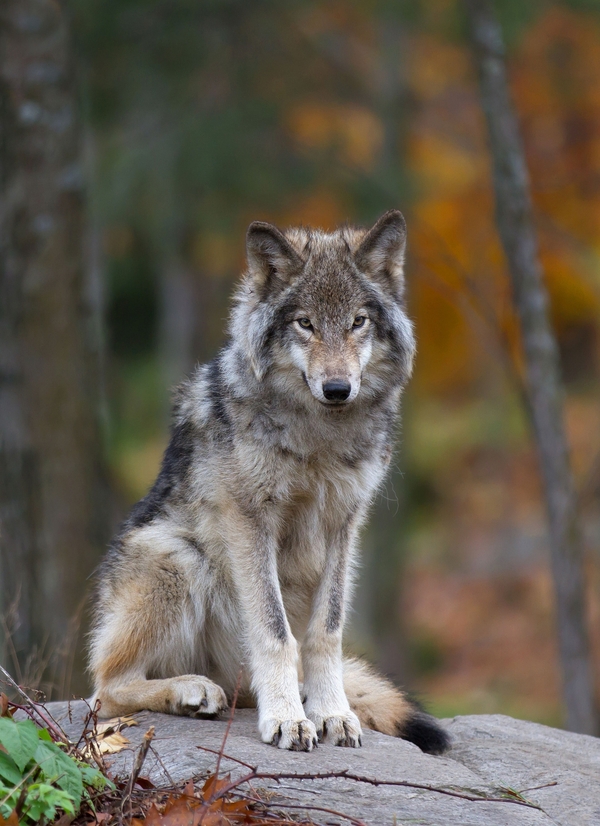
<point x="236" y="568"/>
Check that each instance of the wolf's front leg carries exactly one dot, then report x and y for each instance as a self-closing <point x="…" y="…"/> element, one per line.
<point x="325" y="699"/>
<point x="272" y="649"/>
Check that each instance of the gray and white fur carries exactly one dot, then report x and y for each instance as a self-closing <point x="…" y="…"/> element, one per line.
<point x="242" y="555"/>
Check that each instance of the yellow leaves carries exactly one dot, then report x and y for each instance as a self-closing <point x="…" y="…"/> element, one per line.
<point x="445" y="166"/>
<point x="434" y="65"/>
<point x="106" y="738"/>
<point x="352" y="130"/>
<point x="460" y="270"/>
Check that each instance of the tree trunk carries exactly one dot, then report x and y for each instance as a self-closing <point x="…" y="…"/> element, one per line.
<point x="51" y="490"/>
<point x="544" y="390"/>
<point x="179" y="316"/>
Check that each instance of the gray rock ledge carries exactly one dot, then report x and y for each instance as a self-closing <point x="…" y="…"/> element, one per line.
<point x="488" y="752"/>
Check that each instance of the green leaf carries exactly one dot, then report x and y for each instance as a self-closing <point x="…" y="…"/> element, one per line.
<point x="20" y="739"/>
<point x="94" y="778"/>
<point x="9" y="771"/>
<point x="8" y="805"/>
<point x="61" y="769"/>
<point x="43" y="800"/>
<point x="44" y="734"/>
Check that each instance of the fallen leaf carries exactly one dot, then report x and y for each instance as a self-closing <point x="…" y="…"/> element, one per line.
<point x="213" y="786"/>
<point x="12" y="820"/>
<point x="4" y="706"/>
<point x="113" y="743"/>
<point x="145" y="783"/>
<point x="106" y="739"/>
<point x="108" y="727"/>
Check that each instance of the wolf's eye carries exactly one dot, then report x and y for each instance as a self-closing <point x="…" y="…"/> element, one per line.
<point x="304" y="323"/>
<point x="359" y="321"/>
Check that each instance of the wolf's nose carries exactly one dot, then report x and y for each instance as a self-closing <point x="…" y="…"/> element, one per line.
<point x="336" y="390"/>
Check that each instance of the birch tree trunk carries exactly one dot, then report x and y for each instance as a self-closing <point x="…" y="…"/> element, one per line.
<point x="516" y="229"/>
<point x="50" y="482"/>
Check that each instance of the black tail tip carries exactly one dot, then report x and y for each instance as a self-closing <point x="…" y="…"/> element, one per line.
<point x="425" y="732"/>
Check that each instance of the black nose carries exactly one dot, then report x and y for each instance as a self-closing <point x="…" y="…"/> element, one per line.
<point x="336" y="390"/>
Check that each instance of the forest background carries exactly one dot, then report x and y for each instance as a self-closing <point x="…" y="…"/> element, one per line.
<point x="196" y="118"/>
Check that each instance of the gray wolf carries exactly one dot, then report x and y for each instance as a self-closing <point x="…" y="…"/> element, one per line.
<point x="242" y="554"/>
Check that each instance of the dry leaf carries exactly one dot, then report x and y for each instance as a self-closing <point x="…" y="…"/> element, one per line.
<point x="4" y="706"/>
<point x="12" y="820"/>
<point x="108" y="727"/>
<point x="106" y="737"/>
<point x="213" y="786"/>
<point x="144" y="783"/>
<point x="112" y="743"/>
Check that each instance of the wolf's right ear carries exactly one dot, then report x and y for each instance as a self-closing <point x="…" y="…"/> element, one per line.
<point x="381" y="252"/>
<point x="272" y="261"/>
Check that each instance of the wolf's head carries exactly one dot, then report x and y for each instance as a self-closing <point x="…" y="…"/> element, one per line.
<point x="323" y="312"/>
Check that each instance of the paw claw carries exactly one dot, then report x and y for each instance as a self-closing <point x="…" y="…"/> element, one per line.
<point x="295" y="735"/>
<point x="340" y="729"/>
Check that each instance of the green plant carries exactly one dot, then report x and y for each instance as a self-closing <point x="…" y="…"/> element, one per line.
<point x="37" y="777"/>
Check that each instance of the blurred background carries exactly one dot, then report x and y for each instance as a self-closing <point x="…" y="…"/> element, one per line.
<point x="187" y="120"/>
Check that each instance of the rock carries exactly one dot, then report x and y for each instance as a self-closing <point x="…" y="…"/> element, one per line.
<point x="491" y="754"/>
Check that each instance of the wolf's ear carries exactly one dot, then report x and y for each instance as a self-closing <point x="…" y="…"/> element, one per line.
<point x="381" y="252"/>
<point x="272" y="260"/>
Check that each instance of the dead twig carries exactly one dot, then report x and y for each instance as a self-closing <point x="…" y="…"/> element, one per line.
<point x="229" y="722"/>
<point x="463" y="794"/>
<point x="137" y="767"/>
<point x="42" y="712"/>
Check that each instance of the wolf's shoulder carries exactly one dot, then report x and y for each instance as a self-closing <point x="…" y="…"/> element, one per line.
<point x="202" y="400"/>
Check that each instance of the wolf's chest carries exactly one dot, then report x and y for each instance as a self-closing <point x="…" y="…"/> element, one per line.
<point x="326" y="480"/>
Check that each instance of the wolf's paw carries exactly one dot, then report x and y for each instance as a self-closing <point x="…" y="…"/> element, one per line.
<point x="195" y="696"/>
<point x="339" y="729"/>
<point x="297" y="735"/>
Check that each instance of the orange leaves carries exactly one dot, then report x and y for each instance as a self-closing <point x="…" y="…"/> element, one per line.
<point x="459" y="271"/>
<point x="212" y="806"/>
<point x="4" y="703"/>
<point x="354" y="130"/>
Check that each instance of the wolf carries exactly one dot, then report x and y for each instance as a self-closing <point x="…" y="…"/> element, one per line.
<point x="234" y="572"/>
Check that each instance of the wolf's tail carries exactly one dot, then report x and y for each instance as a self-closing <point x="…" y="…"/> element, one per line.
<point x="381" y="706"/>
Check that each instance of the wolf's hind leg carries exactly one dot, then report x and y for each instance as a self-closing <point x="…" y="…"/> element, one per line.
<point x="149" y="625"/>
<point x="381" y="706"/>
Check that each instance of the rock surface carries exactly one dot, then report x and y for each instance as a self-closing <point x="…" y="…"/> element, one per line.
<point x="556" y="770"/>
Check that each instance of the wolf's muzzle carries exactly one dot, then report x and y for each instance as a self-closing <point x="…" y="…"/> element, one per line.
<point x="336" y="390"/>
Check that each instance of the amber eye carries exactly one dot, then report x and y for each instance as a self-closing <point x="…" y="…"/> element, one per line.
<point x="359" y="321"/>
<point x="304" y="323"/>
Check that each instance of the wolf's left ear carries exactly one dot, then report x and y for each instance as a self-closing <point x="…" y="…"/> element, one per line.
<point x="381" y="252"/>
<point x="272" y="260"/>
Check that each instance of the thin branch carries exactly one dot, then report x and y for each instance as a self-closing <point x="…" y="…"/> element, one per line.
<point x="229" y="722"/>
<point x="307" y="807"/>
<point x="41" y="711"/>
<point x="139" y="760"/>
<point x="346" y="775"/>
